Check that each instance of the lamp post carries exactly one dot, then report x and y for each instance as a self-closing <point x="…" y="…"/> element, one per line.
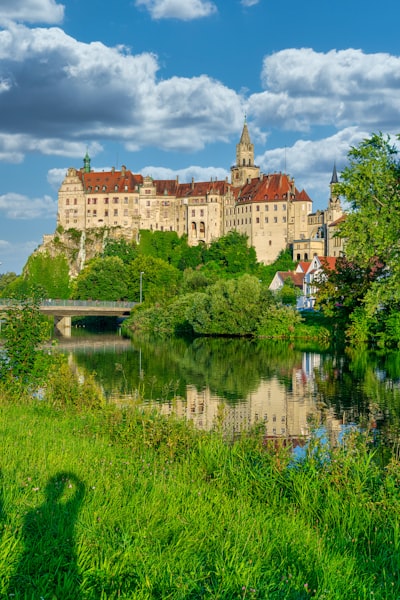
<point x="141" y="286"/>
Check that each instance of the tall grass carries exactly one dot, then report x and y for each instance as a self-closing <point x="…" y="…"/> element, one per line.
<point x="112" y="503"/>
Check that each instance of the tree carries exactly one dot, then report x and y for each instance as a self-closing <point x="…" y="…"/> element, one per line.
<point x="122" y="249"/>
<point x="103" y="279"/>
<point x="371" y="186"/>
<point x="24" y="330"/>
<point x="232" y="254"/>
<point x="160" y="280"/>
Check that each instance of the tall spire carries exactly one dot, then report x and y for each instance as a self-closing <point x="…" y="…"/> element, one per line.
<point x="86" y="163"/>
<point x="245" y="137"/>
<point x="334" y="175"/>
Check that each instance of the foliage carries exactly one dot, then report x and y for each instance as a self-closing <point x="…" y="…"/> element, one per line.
<point x="229" y="307"/>
<point x="232" y="254"/>
<point x="371" y="186"/>
<point x="160" y="280"/>
<point x="5" y="280"/>
<point x="170" y="248"/>
<point x="102" y="279"/>
<point x="49" y="273"/>
<point x="279" y="322"/>
<point x="122" y="249"/>
<point x="288" y="293"/>
<point x="24" y="330"/>
<point x="284" y="262"/>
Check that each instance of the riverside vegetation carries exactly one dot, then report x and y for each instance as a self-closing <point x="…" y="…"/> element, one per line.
<point x="99" y="502"/>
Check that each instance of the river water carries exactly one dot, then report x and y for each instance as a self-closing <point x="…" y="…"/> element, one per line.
<point x="238" y="383"/>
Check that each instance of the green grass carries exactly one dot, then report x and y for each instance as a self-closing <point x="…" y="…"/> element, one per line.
<point x="110" y="503"/>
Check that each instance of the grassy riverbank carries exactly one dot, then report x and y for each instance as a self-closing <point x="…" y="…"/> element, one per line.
<point x="109" y="503"/>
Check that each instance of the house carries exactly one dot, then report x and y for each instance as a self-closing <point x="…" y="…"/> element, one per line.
<point x="314" y="273"/>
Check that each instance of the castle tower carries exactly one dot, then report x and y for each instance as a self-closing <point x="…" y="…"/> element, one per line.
<point x="86" y="163"/>
<point x="334" y="210"/>
<point x="245" y="168"/>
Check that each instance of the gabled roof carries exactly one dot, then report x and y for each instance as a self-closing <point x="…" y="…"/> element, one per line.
<point x="272" y="187"/>
<point x="297" y="278"/>
<point x="110" y="181"/>
<point x="302" y="266"/>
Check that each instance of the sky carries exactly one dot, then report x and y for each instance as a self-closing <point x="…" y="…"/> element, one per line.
<point x="164" y="87"/>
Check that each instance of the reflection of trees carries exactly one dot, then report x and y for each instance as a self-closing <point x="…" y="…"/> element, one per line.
<point x="230" y="367"/>
<point x="363" y="387"/>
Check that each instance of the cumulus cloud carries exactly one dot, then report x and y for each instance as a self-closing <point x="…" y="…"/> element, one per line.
<point x="304" y="89"/>
<point x="60" y="89"/>
<point x="185" y="10"/>
<point x="186" y="175"/>
<point x="31" y="11"/>
<point x="19" y="206"/>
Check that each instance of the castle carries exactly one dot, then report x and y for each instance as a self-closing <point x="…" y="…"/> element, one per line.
<point x="267" y="208"/>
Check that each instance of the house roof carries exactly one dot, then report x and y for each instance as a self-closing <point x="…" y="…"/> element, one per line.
<point x="297" y="278"/>
<point x="273" y="187"/>
<point x="303" y="265"/>
<point x="338" y="221"/>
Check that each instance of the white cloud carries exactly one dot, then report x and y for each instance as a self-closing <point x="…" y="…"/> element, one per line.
<point x="62" y="93"/>
<point x="185" y="10"/>
<point x="14" y="254"/>
<point x="31" y="11"/>
<point x="304" y="88"/>
<point x="249" y="2"/>
<point x="19" y="206"/>
<point x="185" y="175"/>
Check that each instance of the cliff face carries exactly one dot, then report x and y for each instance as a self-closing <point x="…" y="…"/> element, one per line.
<point x="81" y="246"/>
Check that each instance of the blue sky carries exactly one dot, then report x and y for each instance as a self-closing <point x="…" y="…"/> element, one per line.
<point x="162" y="86"/>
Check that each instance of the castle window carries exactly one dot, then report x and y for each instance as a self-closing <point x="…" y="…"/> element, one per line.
<point x="258" y="208"/>
<point x="266" y="219"/>
<point x="275" y="207"/>
<point x="266" y="207"/>
<point x="104" y="188"/>
<point x="116" y="188"/>
<point x="94" y="201"/>
<point x="67" y="201"/>
<point x="95" y="213"/>
<point x="125" y="200"/>
<point x="257" y="219"/>
<point x="125" y="212"/>
<point x="193" y="213"/>
<point x="283" y="206"/>
<point x="88" y="200"/>
<point x="115" y="200"/>
<point x="106" y="200"/>
<point x="284" y="219"/>
<point x="106" y="213"/>
<point x="115" y="212"/>
<point x="275" y="219"/>
<point x="75" y="201"/>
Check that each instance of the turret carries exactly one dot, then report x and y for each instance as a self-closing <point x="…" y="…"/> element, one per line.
<point x="245" y="168"/>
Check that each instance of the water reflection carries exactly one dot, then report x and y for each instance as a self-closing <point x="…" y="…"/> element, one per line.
<point x="239" y="383"/>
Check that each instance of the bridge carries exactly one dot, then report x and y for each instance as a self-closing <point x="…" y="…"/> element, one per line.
<point x="64" y="310"/>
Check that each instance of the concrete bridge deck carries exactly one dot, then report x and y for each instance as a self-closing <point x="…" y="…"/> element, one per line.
<point x="63" y="310"/>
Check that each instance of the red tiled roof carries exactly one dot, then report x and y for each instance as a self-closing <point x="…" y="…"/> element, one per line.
<point x="297" y="278"/>
<point x="328" y="262"/>
<point x="110" y="181"/>
<point x="276" y="186"/>
<point x="304" y="265"/>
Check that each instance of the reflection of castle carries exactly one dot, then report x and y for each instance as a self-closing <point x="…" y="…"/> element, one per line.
<point x="284" y="412"/>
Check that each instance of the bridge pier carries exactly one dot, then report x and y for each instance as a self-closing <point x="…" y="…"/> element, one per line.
<point x="63" y="325"/>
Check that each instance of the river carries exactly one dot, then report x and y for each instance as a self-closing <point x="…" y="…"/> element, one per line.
<point x="236" y="384"/>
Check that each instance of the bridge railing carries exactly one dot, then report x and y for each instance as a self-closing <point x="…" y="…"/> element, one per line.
<point x="83" y="303"/>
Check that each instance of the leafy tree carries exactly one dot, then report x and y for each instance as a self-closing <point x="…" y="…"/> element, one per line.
<point x="284" y="262"/>
<point x="24" y="330"/>
<point x="5" y="280"/>
<point x="160" y="280"/>
<point x="288" y="293"/>
<point x="103" y="279"/>
<point x="230" y="306"/>
<point x="371" y="186"/>
<point x="232" y="254"/>
<point x="122" y="249"/>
